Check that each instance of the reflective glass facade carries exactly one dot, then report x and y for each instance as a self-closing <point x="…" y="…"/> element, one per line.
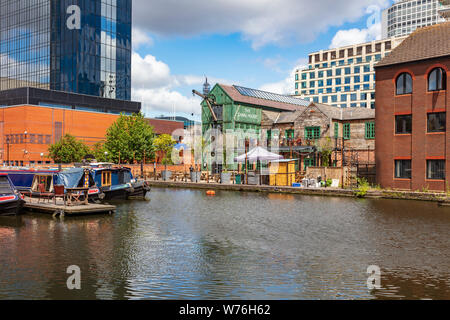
<point x="42" y="46"/>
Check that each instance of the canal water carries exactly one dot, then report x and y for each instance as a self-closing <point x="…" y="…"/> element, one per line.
<point x="186" y="245"/>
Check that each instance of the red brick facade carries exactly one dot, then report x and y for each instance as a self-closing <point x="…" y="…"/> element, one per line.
<point x="419" y="146"/>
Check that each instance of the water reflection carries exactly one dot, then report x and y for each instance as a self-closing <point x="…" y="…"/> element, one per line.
<point x="185" y="245"/>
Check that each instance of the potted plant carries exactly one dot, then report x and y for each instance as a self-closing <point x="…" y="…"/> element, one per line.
<point x="164" y="145"/>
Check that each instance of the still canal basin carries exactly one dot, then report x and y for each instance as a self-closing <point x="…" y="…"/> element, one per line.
<point x="186" y="245"/>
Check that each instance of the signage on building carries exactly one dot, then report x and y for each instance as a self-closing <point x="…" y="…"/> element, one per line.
<point x="248" y="115"/>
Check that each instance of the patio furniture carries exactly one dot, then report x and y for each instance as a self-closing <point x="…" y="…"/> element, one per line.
<point x="44" y="194"/>
<point x="60" y="193"/>
<point x="75" y="196"/>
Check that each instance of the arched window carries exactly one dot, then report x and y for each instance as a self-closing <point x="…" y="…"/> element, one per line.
<point x="437" y="80"/>
<point x="404" y="83"/>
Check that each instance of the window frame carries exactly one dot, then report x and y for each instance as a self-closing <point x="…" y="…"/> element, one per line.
<point x="315" y="133"/>
<point x="402" y="161"/>
<point x="436" y="176"/>
<point x="444" y="129"/>
<point x="347" y="132"/>
<point x="404" y="76"/>
<point x="397" y="117"/>
<point x="370" y="130"/>
<point x="442" y="86"/>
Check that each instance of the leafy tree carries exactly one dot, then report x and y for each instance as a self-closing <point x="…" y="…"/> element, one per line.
<point x="68" y="150"/>
<point x="164" y="144"/>
<point x="326" y="149"/>
<point x="130" y="138"/>
<point x="100" y="153"/>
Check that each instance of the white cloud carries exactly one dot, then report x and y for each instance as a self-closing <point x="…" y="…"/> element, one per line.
<point x="352" y="36"/>
<point x="261" y="22"/>
<point x="285" y="86"/>
<point x="156" y="87"/>
<point x="141" y="38"/>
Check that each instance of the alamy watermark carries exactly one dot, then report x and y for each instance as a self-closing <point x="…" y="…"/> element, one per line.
<point x="74" y="281"/>
<point x="374" y="280"/>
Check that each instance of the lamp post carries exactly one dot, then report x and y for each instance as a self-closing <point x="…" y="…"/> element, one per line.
<point x="106" y="156"/>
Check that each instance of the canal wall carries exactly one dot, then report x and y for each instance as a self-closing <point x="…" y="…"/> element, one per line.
<point x="441" y="198"/>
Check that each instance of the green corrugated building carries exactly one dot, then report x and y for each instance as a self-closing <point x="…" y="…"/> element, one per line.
<point x="240" y="108"/>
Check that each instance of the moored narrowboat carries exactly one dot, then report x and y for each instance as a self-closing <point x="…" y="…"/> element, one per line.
<point x="11" y="201"/>
<point x="117" y="183"/>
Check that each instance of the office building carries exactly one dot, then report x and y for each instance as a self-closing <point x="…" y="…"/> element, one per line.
<point x="444" y="9"/>
<point x="412" y="119"/>
<point x="75" y="46"/>
<point x="343" y="77"/>
<point x="404" y="17"/>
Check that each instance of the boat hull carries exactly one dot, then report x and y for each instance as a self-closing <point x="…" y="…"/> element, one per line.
<point x="11" y="208"/>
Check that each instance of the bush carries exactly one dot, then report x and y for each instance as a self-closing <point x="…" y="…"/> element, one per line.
<point x="363" y="188"/>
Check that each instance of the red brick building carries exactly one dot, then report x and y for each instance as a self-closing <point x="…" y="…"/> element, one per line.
<point x="412" y="112"/>
<point x="26" y="131"/>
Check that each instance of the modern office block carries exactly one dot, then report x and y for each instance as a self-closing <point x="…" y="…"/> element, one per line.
<point x="343" y="77"/>
<point x="75" y="46"/>
<point x="404" y="17"/>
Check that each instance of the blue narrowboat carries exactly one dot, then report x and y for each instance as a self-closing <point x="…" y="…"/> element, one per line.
<point x="117" y="183"/>
<point x="11" y="201"/>
<point x="27" y="181"/>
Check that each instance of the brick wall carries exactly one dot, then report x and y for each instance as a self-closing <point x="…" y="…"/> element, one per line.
<point x="420" y="145"/>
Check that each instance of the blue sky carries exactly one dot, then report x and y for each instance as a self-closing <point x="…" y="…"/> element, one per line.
<point x="253" y="43"/>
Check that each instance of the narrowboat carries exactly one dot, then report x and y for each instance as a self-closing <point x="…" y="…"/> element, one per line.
<point x="28" y="181"/>
<point x="117" y="183"/>
<point x="11" y="201"/>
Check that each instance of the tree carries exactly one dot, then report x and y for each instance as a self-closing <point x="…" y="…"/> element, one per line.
<point x="130" y="138"/>
<point x="164" y="145"/>
<point x="100" y="153"/>
<point x="326" y="149"/>
<point x="68" y="150"/>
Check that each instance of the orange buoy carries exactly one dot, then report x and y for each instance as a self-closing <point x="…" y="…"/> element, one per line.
<point x="211" y="193"/>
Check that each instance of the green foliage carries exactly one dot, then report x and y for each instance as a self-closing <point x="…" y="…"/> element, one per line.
<point x="130" y="138"/>
<point x="164" y="144"/>
<point x="100" y="153"/>
<point x="326" y="149"/>
<point x="329" y="183"/>
<point x="363" y="188"/>
<point x="68" y="150"/>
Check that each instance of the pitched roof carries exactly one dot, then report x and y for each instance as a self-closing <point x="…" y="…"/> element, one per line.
<point x="425" y="43"/>
<point x="344" y="114"/>
<point x="234" y="94"/>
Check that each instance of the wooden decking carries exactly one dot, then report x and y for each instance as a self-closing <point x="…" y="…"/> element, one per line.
<point x="61" y="210"/>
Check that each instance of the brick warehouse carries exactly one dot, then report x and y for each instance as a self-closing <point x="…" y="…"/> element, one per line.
<point x="26" y="131"/>
<point x="412" y="146"/>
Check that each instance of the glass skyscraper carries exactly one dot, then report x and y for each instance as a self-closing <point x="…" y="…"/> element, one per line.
<point x="78" y="46"/>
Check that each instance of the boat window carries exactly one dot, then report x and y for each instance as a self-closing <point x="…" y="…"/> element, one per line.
<point x="106" y="178"/>
<point x="5" y="187"/>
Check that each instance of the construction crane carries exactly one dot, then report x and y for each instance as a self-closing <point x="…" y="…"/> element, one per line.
<point x="210" y="101"/>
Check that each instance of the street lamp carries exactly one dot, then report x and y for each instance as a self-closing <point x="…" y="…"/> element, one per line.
<point x="106" y="156"/>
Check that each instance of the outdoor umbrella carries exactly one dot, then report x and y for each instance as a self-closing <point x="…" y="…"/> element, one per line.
<point x="258" y="154"/>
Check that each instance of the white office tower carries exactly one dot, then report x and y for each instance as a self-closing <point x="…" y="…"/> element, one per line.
<point x="444" y="9"/>
<point x="405" y="16"/>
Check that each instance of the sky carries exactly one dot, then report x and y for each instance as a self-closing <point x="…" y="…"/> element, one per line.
<point x="253" y="43"/>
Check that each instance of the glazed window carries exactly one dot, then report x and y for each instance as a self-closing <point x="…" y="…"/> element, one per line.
<point x="404" y="84"/>
<point x="436" y="122"/>
<point x="403" y="169"/>
<point x="437" y="80"/>
<point x="403" y="124"/>
<point x="436" y="169"/>
<point x="106" y="178"/>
